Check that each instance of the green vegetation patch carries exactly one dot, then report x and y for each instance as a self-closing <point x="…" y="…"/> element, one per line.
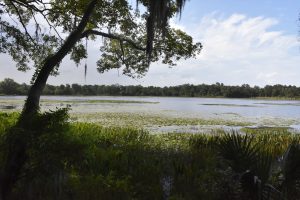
<point x="286" y="98"/>
<point x="142" y="120"/>
<point x="279" y="104"/>
<point x="87" y="160"/>
<point x="120" y="101"/>
<point x="228" y="105"/>
<point x="263" y="130"/>
<point x="7" y="120"/>
<point x="98" y="101"/>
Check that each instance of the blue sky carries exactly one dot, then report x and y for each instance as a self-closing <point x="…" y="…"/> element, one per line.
<point x="286" y="11"/>
<point x="245" y="41"/>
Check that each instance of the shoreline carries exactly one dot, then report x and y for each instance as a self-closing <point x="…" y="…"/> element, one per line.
<point x="200" y="97"/>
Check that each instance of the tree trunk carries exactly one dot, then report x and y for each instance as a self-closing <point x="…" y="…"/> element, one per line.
<point x="16" y="155"/>
<point x="32" y="103"/>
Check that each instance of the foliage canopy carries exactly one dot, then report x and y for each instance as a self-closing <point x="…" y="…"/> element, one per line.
<point x="31" y="31"/>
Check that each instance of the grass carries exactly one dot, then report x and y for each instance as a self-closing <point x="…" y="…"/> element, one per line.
<point x="88" y="161"/>
<point x="274" y="130"/>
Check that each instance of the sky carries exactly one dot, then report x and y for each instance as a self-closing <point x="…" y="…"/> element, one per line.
<point x="255" y="42"/>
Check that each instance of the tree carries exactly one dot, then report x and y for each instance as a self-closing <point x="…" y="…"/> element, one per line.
<point x="9" y="86"/>
<point x="132" y="40"/>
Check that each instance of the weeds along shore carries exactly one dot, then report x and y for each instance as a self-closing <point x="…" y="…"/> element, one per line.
<point x="86" y="161"/>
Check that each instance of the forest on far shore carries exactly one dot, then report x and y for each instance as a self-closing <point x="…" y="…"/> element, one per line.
<point x="10" y="87"/>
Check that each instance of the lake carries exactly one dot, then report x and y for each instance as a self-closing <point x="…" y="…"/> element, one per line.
<point x="251" y="112"/>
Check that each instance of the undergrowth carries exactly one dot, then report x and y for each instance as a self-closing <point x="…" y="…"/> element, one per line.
<point x="88" y="161"/>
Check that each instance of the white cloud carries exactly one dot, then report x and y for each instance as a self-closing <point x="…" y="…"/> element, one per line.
<point x="237" y="49"/>
<point x="239" y="37"/>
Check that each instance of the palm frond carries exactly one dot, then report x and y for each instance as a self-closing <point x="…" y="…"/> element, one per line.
<point x="239" y="150"/>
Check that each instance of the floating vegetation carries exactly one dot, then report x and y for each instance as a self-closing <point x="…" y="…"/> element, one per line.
<point x="231" y="113"/>
<point x="8" y="107"/>
<point x="228" y="105"/>
<point x="279" y="104"/>
<point x="98" y="101"/>
<point x="153" y="115"/>
<point x="141" y="120"/>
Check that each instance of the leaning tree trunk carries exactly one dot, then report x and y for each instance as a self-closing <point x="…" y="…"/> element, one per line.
<point x="16" y="155"/>
<point x="32" y="103"/>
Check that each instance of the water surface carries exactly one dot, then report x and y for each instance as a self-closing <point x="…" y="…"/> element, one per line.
<point x="255" y="111"/>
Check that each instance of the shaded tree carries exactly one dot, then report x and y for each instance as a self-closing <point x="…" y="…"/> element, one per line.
<point x="9" y="86"/>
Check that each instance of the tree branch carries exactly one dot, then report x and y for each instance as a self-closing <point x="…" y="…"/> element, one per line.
<point x="30" y="4"/>
<point x="33" y="7"/>
<point x="22" y="22"/>
<point x="112" y="36"/>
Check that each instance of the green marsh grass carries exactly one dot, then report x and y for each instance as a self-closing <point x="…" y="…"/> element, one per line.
<point x="88" y="161"/>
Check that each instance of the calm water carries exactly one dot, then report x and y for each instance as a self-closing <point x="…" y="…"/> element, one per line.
<point x="261" y="112"/>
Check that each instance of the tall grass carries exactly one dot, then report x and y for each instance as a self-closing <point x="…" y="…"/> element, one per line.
<point x="88" y="161"/>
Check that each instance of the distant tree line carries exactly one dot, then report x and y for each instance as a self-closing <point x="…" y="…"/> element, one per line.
<point x="10" y="87"/>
